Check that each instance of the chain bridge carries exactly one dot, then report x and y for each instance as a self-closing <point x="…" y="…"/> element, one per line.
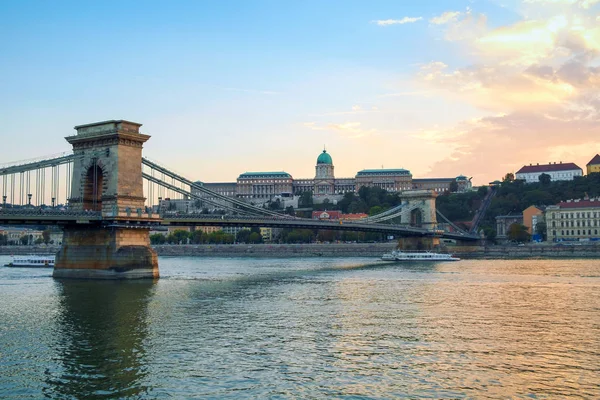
<point x="103" y="194"/>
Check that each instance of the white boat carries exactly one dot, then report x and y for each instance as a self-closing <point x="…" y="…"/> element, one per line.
<point x="35" y="261"/>
<point x="399" y="255"/>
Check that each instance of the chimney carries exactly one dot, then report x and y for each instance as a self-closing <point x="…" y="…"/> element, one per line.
<point x="538" y="164"/>
<point x="561" y="162"/>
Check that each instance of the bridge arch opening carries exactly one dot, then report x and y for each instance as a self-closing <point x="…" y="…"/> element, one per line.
<point x="416" y="218"/>
<point x="92" y="189"/>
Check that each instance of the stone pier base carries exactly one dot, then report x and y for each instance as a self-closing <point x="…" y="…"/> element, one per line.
<point x="106" y="253"/>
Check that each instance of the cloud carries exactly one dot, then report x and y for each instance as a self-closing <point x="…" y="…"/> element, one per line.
<point x="405" y="20"/>
<point x="350" y="130"/>
<point x="539" y="79"/>
<point x="445" y="18"/>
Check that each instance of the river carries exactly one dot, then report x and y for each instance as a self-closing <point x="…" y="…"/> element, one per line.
<point x="306" y="328"/>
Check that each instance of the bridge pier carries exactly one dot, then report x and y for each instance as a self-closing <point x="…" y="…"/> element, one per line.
<point x="107" y="180"/>
<point x="106" y="253"/>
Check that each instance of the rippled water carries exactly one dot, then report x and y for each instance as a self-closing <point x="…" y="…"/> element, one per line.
<point x="306" y="328"/>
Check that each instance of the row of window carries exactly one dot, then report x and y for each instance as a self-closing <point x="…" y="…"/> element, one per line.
<point x="573" y="215"/>
<point x="579" y="232"/>
<point x="579" y="223"/>
<point x="245" y="181"/>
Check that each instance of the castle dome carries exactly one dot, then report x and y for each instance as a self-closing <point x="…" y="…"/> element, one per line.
<point x="324" y="158"/>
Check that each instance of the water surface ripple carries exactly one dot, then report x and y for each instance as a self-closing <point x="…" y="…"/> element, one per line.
<point x="306" y="328"/>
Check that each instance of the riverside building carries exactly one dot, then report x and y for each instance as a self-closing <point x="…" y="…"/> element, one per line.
<point x="574" y="220"/>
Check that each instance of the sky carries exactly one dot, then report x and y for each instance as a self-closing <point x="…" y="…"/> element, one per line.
<point x="440" y="88"/>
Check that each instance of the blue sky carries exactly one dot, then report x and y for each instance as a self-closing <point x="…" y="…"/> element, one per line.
<point x="226" y="87"/>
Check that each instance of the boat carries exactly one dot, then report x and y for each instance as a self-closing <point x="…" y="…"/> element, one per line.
<point x="399" y="255"/>
<point x="33" y="261"/>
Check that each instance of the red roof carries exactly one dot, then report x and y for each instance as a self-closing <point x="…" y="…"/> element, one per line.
<point x="326" y="214"/>
<point x="579" y="204"/>
<point x="548" y="168"/>
<point x="595" y="160"/>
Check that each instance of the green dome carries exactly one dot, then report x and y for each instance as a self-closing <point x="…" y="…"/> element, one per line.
<point x="324" y="158"/>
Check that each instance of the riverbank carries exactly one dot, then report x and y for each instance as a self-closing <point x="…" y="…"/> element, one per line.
<point x="530" y="251"/>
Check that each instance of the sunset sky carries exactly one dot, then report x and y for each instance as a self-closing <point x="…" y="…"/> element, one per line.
<point x="441" y="88"/>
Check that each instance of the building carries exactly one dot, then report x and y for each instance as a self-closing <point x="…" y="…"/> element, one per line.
<point x="593" y="165"/>
<point x="503" y="223"/>
<point x="392" y="180"/>
<point x="531" y="216"/>
<point x="558" y="172"/>
<point x="574" y="220"/>
<point x="265" y="186"/>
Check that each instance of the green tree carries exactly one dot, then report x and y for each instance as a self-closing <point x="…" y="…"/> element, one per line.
<point x="509" y="177"/>
<point x="289" y="210"/>
<point x="544" y="179"/>
<point x="243" y="235"/>
<point x="39" y="241"/>
<point x="157" y="238"/>
<point x="3" y="240"/>
<point x="255" y="238"/>
<point x="518" y="233"/>
<point x="24" y="240"/>
<point x="305" y="200"/>
<point x="541" y="229"/>
<point x="46" y="236"/>
<point x="482" y="191"/>
<point x="453" y="187"/>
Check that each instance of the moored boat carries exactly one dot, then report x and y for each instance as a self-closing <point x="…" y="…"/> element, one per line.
<point x="399" y="255"/>
<point x="32" y="261"/>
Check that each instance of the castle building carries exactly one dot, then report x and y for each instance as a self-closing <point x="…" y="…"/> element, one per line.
<point x="266" y="185"/>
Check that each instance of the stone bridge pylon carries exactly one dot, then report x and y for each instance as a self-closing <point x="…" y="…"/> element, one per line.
<point x="107" y="179"/>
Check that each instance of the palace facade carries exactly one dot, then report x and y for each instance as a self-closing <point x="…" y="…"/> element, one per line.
<point x="266" y="185"/>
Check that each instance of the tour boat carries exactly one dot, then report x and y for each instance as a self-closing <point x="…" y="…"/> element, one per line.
<point x="46" y="261"/>
<point x="399" y="255"/>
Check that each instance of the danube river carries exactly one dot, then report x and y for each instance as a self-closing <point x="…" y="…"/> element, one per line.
<point x="306" y="328"/>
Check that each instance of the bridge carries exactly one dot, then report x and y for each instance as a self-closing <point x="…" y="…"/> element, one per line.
<point x="103" y="195"/>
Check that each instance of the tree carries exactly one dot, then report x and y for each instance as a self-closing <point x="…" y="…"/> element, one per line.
<point x="541" y="229"/>
<point x="482" y="191"/>
<point x="290" y="210"/>
<point x="518" y="233"/>
<point x="255" y="238"/>
<point x="46" y="236"/>
<point x="453" y="187"/>
<point x="275" y="205"/>
<point x="544" y="179"/>
<point x="509" y="177"/>
<point x="490" y="234"/>
<point x="157" y="238"/>
<point x="3" y="240"/>
<point x="305" y="200"/>
<point x="24" y="240"/>
<point x="243" y="235"/>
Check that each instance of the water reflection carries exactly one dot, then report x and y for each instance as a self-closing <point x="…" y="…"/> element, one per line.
<point x="101" y="331"/>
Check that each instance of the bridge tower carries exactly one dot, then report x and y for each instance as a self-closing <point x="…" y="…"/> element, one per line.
<point x="419" y="211"/>
<point x="107" y="179"/>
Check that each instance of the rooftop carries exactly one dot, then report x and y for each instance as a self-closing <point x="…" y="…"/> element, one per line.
<point x="580" y="203"/>
<point x="548" y="168"/>
<point x="278" y="174"/>
<point x="399" y="171"/>
<point x="595" y="160"/>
